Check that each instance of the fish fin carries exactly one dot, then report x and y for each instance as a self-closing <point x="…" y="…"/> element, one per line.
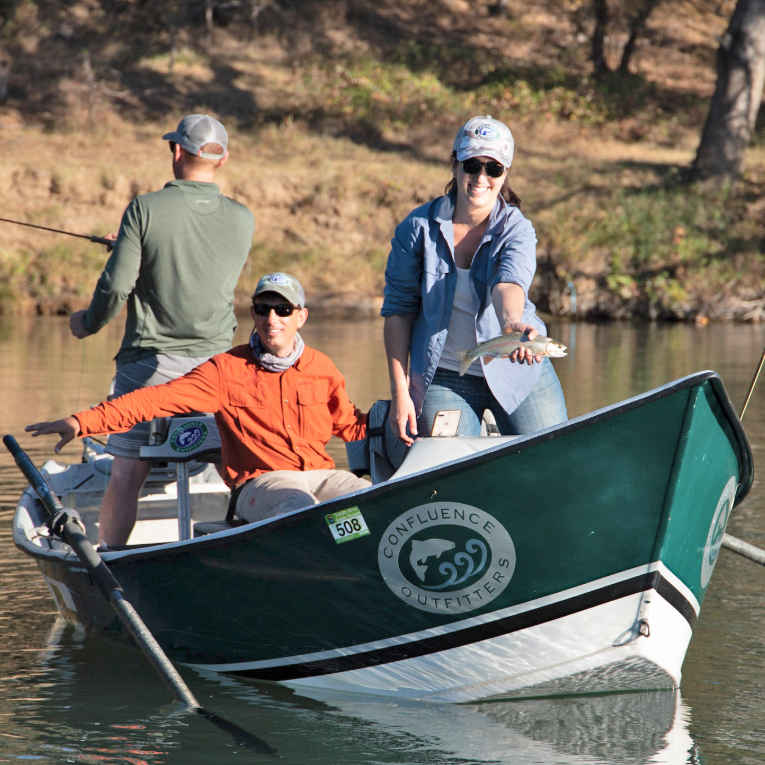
<point x="487" y="359"/>
<point x="464" y="361"/>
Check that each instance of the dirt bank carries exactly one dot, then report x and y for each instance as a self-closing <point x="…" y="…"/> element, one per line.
<point x="341" y="117"/>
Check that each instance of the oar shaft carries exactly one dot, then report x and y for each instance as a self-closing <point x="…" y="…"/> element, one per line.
<point x="75" y="537"/>
<point x="73" y="534"/>
<point x="744" y="548"/>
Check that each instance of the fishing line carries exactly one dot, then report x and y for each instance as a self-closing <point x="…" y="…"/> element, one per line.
<point x="20" y="266"/>
<point x="35" y="286"/>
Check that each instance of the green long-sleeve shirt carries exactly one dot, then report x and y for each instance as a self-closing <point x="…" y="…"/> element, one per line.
<point x="176" y="263"/>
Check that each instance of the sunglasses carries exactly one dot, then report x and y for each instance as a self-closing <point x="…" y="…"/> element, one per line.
<point x="172" y="147"/>
<point x="261" y="309"/>
<point x="473" y="167"/>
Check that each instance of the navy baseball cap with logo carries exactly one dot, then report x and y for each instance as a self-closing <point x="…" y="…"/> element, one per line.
<point x="485" y="137"/>
<point x="282" y="284"/>
<point x="196" y="130"/>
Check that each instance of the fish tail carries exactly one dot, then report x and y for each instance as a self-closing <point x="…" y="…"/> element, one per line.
<point x="465" y="360"/>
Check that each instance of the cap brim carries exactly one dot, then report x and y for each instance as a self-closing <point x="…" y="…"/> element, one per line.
<point x="275" y="289"/>
<point x="482" y="151"/>
<point x="171" y="137"/>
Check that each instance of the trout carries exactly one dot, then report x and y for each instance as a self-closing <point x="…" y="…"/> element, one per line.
<point x="504" y="345"/>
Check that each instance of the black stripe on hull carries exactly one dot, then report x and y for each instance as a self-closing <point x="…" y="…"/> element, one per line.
<point x="644" y="582"/>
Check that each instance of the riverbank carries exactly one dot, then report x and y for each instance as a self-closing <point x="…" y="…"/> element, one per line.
<point x="341" y="118"/>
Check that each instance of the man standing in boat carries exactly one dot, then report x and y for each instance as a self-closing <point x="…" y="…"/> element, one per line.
<point x="276" y="401"/>
<point x="176" y="261"/>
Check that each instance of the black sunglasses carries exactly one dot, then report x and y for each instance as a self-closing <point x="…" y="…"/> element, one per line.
<point x="473" y="166"/>
<point x="172" y="147"/>
<point x="262" y="309"/>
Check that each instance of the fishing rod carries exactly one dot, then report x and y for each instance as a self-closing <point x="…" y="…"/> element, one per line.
<point x="751" y="387"/>
<point x="731" y="542"/>
<point x="109" y="243"/>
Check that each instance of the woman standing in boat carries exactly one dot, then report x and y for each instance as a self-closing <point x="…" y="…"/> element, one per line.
<point x="458" y="274"/>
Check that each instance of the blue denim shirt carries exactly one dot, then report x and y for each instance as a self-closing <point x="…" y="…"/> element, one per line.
<point x="421" y="278"/>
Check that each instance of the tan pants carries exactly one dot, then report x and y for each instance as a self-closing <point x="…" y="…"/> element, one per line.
<point x="281" y="491"/>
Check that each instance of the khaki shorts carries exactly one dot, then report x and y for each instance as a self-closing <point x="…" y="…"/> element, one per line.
<point x="281" y="491"/>
<point x="154" y="370"/>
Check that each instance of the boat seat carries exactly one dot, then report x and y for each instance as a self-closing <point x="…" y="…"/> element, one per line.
<point x="382" y="456"/>
<point x="426" y="453"/>
<point x="202" y="528"/>
<point x="183" y="438"/>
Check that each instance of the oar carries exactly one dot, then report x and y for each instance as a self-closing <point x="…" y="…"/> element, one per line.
<point x="744" y="548"/>
<point x="66" y="524"/>
<point x="97" y="239"/>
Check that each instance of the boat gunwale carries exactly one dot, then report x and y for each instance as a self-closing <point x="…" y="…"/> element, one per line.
<point x="223" y="538"/>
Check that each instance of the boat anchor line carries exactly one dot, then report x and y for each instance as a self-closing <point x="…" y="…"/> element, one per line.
<point x="652" y="580"/>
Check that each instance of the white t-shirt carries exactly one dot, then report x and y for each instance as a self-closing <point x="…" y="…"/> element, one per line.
<point x="461" y="336"/>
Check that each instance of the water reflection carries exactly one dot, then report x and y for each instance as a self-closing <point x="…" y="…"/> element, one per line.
<point x="79" y="701"/>
<point x="93" y="702"/>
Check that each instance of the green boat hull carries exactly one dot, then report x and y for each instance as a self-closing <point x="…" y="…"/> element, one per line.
<point x="573" y="560"/>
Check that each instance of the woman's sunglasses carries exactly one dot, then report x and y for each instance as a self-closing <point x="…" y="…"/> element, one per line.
<point x="261" y="309"/>
<point x="473" y="167"/>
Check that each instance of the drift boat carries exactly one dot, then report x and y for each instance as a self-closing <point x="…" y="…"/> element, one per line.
<point x="572" y="560"/>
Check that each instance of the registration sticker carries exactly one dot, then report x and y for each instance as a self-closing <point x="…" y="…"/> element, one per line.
<point x="347" y="524"/>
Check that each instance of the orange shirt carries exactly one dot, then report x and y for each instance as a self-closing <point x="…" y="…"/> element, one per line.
<point x="267" y="420"/>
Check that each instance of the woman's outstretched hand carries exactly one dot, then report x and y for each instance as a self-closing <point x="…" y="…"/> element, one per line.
<point x="522" y="355"/>
<point x="68" y="429"/>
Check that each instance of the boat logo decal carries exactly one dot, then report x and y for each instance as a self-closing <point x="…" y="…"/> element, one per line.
<point x="347" y="525"/>
<point x="446" y="557"/>
<point x="189" y="436"/>
<point x="717" y="530"/>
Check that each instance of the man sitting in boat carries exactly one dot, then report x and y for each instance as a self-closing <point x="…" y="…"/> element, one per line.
<point x="276" y="401"/>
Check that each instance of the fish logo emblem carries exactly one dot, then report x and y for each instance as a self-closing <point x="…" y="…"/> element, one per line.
<point x="446" y="557"/>
<point x="429" y="548"/>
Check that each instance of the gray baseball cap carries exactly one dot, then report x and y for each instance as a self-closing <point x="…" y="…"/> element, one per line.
<point x="282" y="284"/>
<point x="485" y="137"/>
<point x="196" y="130"/>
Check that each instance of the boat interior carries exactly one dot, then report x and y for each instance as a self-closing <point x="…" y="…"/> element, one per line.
<point x="185" y="497"/>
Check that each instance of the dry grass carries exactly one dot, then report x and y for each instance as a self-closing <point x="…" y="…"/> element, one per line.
<point x="339" y="127"/>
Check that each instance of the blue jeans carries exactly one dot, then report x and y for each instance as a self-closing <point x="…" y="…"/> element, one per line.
<point x="542" y="408"/>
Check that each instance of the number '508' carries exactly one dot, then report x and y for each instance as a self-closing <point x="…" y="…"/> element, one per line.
<point x="348" y="527"/>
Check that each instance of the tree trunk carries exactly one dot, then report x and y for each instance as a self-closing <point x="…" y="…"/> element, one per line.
<point x="637" y="27"/>
<point x="209" y="23"/>
<point x="736" y="100"/>
<point x="599" y="63"/>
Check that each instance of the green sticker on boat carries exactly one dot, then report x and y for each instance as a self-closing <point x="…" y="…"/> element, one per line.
<point x="347" y="525"/>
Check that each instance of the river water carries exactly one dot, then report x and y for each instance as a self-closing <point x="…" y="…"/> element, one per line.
<point x="69" y="699"/>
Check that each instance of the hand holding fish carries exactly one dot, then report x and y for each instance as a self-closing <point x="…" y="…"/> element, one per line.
<point x="519" y="346"/>
<point x="522" y="354"/>
<point x="68" y="428"/>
